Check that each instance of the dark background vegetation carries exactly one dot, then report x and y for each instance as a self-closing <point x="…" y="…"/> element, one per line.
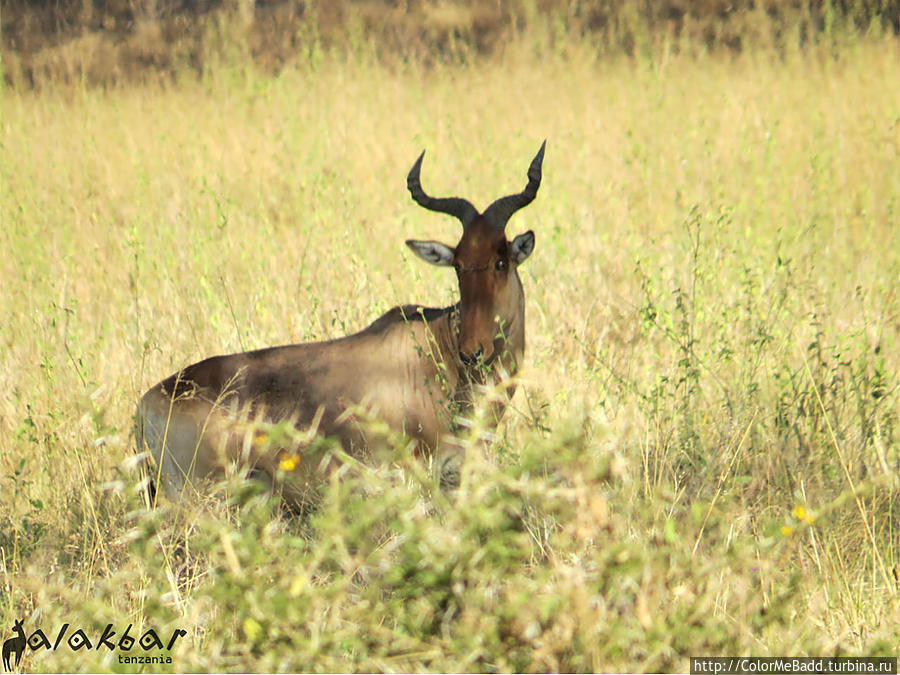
<point x="103" y="42"/>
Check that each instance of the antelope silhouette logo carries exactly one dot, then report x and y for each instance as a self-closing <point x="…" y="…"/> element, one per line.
<point x="14" y="645"/>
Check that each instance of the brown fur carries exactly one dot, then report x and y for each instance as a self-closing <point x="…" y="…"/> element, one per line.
<point x="414" y="367"/>
<point x="194" y="421"/>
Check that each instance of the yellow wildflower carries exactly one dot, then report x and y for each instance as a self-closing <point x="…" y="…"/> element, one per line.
<point x="289" y="462"/>
<point x="800" y="514"/>
<point x="297" y="585"/>
<point x="252" y="629"/>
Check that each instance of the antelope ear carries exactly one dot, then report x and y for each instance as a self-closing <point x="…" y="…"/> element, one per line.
<point x="522" y="246"/>
<point x="432" y="252"/>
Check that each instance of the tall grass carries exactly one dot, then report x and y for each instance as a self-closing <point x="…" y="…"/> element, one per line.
<point x="702" y="458"/>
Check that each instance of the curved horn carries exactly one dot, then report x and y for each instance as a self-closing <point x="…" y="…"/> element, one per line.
<point x="454" y="206"/>
<point x="500" y="211"/>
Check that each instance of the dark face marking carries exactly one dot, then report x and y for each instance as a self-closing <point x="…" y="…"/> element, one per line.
<point x="482" y="262"/>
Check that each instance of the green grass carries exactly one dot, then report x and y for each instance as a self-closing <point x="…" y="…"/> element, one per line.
<point x="713" y="314"/>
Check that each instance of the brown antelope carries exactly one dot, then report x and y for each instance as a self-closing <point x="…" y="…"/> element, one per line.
<point x="413" y="368"/>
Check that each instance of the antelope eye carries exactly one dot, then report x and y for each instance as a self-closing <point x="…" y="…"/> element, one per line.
<point x="500" y="265"/>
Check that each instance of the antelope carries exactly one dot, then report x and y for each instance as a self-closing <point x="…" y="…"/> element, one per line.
<point x="414" y="367"/>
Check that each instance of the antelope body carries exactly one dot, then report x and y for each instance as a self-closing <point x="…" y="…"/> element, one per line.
<point x="413" y="367"/>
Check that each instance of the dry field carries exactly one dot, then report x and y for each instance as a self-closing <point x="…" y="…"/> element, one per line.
<point x="702" y="460"/>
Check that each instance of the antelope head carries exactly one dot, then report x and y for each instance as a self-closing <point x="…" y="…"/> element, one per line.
<point x="491" y="302"/>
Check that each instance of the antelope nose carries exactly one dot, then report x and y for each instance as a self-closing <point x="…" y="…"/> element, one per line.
<point x="469" y="360"/>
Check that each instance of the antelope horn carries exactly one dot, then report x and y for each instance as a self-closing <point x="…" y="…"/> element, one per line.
<point x="498" y="213"/>
<point x="454" y="206"/>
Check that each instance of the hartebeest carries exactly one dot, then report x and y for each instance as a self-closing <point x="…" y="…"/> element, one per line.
<point x="414" y="367"/>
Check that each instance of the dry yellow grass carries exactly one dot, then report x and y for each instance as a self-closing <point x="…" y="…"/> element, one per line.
<point x="713" y="323"/>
